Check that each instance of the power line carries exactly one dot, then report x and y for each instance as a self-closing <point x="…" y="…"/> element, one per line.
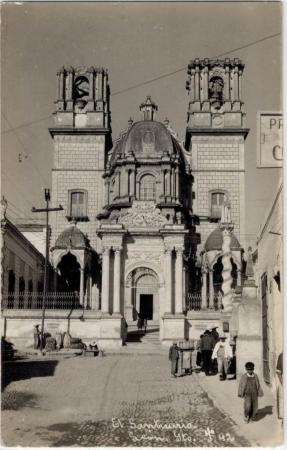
<point x="24" y="148"/>
<point x="160" y="77"/>
<point x="20" y="188"/>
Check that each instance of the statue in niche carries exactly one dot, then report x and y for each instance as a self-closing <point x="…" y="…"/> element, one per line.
<point x="216" y="92"/>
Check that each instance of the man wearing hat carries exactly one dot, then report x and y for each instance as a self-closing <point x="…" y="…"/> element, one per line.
<point x="223" y="353"/>
<point x="249" y="388"/>
<point x="214" y="332"/>
<point x="173" y="357"/>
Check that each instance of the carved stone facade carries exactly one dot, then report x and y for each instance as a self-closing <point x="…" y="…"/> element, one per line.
<point x="146" y="202"/>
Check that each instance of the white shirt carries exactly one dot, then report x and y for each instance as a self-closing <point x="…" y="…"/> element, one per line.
<point x="227" y="349"/>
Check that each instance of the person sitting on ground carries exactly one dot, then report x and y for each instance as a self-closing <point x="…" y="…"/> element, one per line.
<point x="223" y="353"/>
<point x="173" y="357"/>
<point x="249" y="388"/>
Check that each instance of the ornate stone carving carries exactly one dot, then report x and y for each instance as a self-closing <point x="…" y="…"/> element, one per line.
<point x="114" y="242"/>
<point x="144" y="256"/>
<point x="143" y="214"/>
<point x="174" y="243"/>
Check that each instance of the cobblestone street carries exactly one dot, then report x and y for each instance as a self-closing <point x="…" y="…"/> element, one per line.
<point x="118" y="400"/>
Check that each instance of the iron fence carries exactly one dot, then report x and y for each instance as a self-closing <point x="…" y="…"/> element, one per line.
<point x="34" y="300"/>
<point x="194" y="302"/>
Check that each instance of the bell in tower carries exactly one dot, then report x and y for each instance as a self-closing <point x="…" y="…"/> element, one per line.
<point x="215" y="93"/>
<point x="82" y="98"/>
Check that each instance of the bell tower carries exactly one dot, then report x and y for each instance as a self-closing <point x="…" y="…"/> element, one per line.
<point x="215" y="138"/>
<point x="82" y="139"/>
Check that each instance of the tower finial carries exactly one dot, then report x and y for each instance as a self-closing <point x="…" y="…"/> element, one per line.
<point x="148" y="108"/>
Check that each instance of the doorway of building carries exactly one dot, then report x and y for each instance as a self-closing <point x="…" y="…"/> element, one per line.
<point x="146" y="306"/>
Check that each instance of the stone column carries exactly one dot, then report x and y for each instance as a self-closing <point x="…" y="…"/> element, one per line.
<point x="227" y="84"/>
<point x="81" y="286"/>
<point x="235" y="84"/>
<point x="168" y="287"/>
<point x="240" y="85"/>
<point x="70" y="85"/>
<point x="205" y="84"/>
<point x="132" y="183"/>
<point x="192" y="90"/>
<point x="203" y="290"/>
<point x="100" y="85"/>
<point x="176" y="184"/>
<point x="168" y="192"/>
<point x="163" y="182"/>
<point x="104" y="86"/>
<point x="172" y="184"/>
<point x="105" y="280"/>
<point x="118" y="184"/>
<point x="227" y="266"/>
<point x="91" y="84"/>
<point x="197" y="90"/>
<point x="178" y="281"/>
<point x="211" y="290"/>
<point x="117" y="281"/>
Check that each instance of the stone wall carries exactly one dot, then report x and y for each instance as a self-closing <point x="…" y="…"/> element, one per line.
<point x="79" y="163"/>
<point x="218" y="164"/>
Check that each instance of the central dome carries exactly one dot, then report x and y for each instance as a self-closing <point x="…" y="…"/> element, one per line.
<point x="148" y="136"/>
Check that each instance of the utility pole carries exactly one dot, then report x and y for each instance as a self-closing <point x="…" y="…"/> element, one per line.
<point x="46" y="210"/>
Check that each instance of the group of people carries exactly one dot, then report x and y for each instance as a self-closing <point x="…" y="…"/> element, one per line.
<point x="213" y="346"/>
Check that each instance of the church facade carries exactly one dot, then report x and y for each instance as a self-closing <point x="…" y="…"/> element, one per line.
<point x="140" y="232"/>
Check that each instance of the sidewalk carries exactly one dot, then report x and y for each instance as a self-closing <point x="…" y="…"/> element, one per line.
<point x="267" y="431"/>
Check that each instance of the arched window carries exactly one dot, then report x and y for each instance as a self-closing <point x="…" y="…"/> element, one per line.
<point x="147" y="187"/>
<point x="78" y="205"/>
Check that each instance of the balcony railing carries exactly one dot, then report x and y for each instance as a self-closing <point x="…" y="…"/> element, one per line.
<point x="194" y="302"/>
<point x="34" y="300"/>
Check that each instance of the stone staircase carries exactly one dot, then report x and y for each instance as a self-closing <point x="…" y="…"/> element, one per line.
<point x="140" y="343"/>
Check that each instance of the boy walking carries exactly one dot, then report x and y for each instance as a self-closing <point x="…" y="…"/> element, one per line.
<point x="250" y="389"/>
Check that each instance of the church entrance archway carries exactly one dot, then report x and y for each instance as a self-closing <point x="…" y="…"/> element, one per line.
<point x="142" y="295"/>
<point x="69" y="274"/>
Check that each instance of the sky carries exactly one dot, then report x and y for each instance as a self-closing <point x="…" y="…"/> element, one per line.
<point x="136" y="42"/>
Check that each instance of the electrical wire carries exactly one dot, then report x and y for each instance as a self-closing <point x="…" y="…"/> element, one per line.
<point x="24" y="148"/>
<point x="152" y="80"/>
